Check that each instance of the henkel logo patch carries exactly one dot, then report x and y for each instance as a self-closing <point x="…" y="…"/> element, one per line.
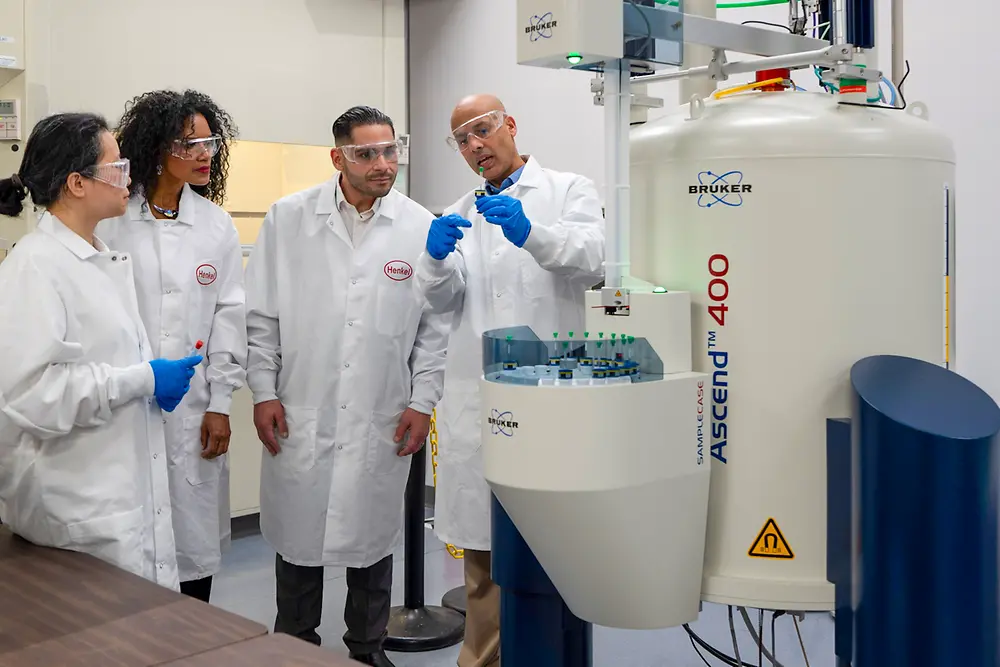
<point x="398" y="270"/>
<point x="206" y="274"/>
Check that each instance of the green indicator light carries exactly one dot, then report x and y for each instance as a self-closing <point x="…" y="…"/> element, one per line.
<point x="659" y="290"/>
<point x="574" y="58"/>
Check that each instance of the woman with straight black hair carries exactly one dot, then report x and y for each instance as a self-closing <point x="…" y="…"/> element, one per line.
<point x="82" y="456"/>
<point x="189" y="281"/>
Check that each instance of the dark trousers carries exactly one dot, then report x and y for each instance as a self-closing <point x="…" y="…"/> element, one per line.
<point x="366" y="612"/>
<point x="199" y="589"/>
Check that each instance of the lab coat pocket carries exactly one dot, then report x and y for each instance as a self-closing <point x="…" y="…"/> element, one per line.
<point x="197" y="469"/>
<point x="116" y="539"/>
<point x="396" y="309"/>
<point x="298" y="450"/>
<point x="383" y="452"/>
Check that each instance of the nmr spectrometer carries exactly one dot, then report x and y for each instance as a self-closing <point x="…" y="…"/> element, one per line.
<point x="760" y="241"/>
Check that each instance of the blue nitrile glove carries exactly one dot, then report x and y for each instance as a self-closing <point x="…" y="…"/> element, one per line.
<point x="444" y="234"/>
<point x="168" y="404"/>
<point x="506" y="212"/>
<point x="173" y="380"/>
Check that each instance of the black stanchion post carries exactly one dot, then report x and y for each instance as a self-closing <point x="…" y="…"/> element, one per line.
<point x="415" y="627"/>
<point x="455" y="599"/>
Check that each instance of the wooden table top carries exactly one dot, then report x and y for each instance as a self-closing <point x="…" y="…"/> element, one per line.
<point x="270" y="651"/>
<point x="61" y="608"/>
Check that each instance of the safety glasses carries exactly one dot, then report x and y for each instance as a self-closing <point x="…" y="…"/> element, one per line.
<point x="192" y="149"/>
<point x="368" y="153"/>
<point x="481" y="127"/>
<point x="114" y="174"/>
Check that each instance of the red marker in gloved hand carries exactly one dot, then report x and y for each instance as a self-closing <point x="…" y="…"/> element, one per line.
<point x="198" y="346"/>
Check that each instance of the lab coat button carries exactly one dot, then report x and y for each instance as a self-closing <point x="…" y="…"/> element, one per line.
<point x="354" y="282"/>
<point x="499" y="294"/>
<point x="343" y="407"/>
<point x="159" y="565"/>
<point x="347" y="365"/>
<point x="350" y="324"/>
<point x="156" y="456"/>
<point x="166" y="334"/>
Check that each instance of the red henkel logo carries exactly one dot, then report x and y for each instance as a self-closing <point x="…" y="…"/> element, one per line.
<point x="206" y="274"/>
<point x="398" y="270"/>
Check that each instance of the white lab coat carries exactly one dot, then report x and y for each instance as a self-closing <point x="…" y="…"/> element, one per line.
<point x="83" y="464"/>
<point x="339" y="336"/>
<point x="491" y="283"/>
<point x="189" y="280"/>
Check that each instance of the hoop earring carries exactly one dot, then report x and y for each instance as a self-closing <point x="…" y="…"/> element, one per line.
<point x="159" y="170"/>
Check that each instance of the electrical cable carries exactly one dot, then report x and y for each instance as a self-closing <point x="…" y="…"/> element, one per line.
<point x="714" y="652"/>
<point x="774" y="617"/>
<point x="801" y="643"/>
<point x="773" y="25"/>
<point x="892" y="89"/>
<point x="736" y="642"/>
<point x="649" y="27"/>
<point x="760" y="642"/>
<point x="760" y="639"/>
<point x="698" y="651"/>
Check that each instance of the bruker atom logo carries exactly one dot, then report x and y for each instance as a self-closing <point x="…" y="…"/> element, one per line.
<point x="540" y="27"/>
<point x="502" y="423"/>
<point x="714" y="189"/>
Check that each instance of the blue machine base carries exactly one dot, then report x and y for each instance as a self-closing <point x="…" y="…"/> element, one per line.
<point x="537" y="629"/>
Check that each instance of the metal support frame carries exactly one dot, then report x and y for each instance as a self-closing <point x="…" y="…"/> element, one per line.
<point x="720" y="70"/>
<point x="673" y="26"/>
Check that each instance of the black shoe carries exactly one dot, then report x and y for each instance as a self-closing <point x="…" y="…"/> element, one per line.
<point x="377" y="659"/>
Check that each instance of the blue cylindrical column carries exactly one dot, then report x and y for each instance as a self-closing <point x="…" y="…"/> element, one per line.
<point x="925" y="530"/>
<point x="861" y="23"/>
<point x="537" y="629"/>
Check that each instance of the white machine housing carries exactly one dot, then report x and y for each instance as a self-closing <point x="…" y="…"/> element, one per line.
<point x="609" y="485"/>
<point x="550" y="30"/>
<point x="831" y="229"/>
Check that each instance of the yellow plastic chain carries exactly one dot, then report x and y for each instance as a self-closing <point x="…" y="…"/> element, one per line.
<point x="454" y="551"/>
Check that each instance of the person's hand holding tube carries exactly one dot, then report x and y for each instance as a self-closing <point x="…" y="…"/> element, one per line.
<point x="508" y="213"/>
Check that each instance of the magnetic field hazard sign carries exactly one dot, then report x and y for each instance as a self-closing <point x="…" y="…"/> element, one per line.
<point x="771" y="543"/>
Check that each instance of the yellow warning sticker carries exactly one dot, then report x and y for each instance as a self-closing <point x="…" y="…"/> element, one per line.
<point x="618" y="293"/>
<point x="770" y="543"/>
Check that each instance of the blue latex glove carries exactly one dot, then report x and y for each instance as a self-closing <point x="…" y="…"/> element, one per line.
<point x="173" y="380"/>
<point x="506" y="212"/>
<point x="168" y="404"/>
<point x="444" y="234"/>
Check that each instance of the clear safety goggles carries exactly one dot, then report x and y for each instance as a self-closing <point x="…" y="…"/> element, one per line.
<point x="192" y="149"/>
<point x="368" y="153"/>
<point x="114" y="174"/>
<point x="481" y="127"/>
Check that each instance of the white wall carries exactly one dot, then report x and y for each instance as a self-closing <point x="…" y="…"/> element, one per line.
<point x="283" y="68"/>
<point x="460" y="47"/>
<point x="949" y="52"/>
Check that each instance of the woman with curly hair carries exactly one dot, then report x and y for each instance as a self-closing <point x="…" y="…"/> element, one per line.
<point x="188" y="266"/>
